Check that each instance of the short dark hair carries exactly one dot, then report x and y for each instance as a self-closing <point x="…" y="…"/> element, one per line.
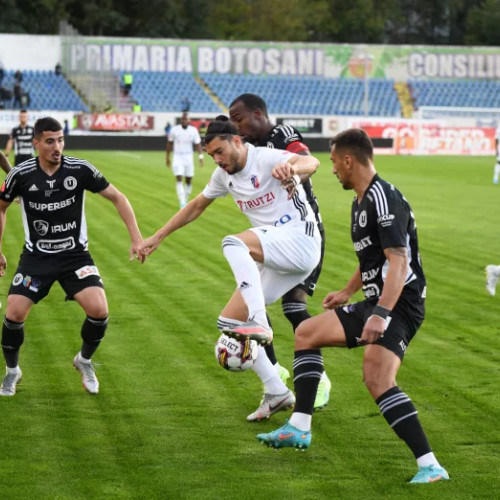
<point x="220" y="127"/>
<point x="251" y="102"/>
<point x="46" y="124"/>
<point x="23" y="111"/>
<point x="357" y="142"/>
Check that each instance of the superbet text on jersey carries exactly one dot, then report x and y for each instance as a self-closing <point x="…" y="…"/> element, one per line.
<point x="53" y="206"/>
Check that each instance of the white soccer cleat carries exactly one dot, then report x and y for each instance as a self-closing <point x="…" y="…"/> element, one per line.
<point x="9" y="383"/>
<point x="491" y="279"/>
<point x="271" y="404"/>
<point x="89" y="379"/>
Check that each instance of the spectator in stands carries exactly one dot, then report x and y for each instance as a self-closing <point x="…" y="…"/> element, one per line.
<point x="167" y="128"/>
<point x="185" y="105"/>
<point x="2" y="72"/>
<point x="18" y="76"/>
<point x="66" y="128"/>
<point x="136" y="107"/>
<point x="5" y="96"/>
<point x="128" y="80"/>
<point x="58" y="69"/>
<point x="17" y="90"/>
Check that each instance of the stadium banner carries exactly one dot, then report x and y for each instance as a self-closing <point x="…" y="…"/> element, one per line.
<point x="115" y="122"/>
<point x="432" y="137"/>
<point x="200" y="57"/>
<point x="306" y="126"/>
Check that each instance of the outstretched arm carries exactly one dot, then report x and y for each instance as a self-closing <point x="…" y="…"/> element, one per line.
<point x="294" y="171"/>
<point x="126" y="212"/>
<point x="183" y="217"/>
<point x="4" y="163"/>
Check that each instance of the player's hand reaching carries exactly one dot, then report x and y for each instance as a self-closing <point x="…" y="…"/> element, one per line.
<point x="135" y="252"/>
<point x="335" y="299"/>
<point x="289" y="180"/>
<point x="3" y="264"/>
<point x="149" y="245"/>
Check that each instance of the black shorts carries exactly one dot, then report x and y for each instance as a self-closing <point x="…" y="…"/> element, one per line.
<point x="36" y="274"/>
<point x="21" y="158"/>
<point x="309" y="284"/>
<point x="405" y="320"/>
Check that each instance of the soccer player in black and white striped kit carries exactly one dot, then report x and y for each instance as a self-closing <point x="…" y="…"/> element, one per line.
<point x="21" y="139"/>
<point x="384" y="236"/>
<point x="51" y="189"/>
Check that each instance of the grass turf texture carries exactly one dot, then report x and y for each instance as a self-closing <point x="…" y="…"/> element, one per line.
<point x="170" y="423"/>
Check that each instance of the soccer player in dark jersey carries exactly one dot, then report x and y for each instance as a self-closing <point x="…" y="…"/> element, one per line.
<point x="390" y="274"/>
<point x="249" y="113"/>
<point x="51" y="189"/>
<point x="21" y="138"/>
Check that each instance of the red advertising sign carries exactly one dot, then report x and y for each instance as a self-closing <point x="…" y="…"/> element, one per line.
<point x="433" y="138"/>
<point x="115" y="122"/>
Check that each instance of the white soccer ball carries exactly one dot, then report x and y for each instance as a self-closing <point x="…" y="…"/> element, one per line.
<point x="236" y="355"/>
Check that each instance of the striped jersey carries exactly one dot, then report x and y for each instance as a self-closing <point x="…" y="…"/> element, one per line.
<point x="23" y="140"/>
<point x="53" y="209"/>
<point x="384" y="219"/>
<point x="259" y="195"/>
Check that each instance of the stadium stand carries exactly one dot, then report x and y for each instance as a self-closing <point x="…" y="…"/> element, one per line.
<point x="309" y="95"/>
<point x="158" y="91"/>
<point x="457" y="93"/>
<point x="46" y="90"/>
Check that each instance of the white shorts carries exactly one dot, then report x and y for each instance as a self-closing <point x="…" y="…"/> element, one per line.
<point x="290" y="255"/>
<point x="183" y="165"/>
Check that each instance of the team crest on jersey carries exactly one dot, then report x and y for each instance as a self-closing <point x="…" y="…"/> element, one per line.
<point x="255" y="181"/>
<point x="270" y="145"/>
<point x="362" y="218"/>
<point x="41" y="227"/>
<point x="70" y="183"/>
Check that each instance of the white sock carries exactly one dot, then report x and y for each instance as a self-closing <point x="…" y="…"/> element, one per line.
<point x="187" y="191"/>
<point x="13" y="370"/>
<point x="427" y="459"/>
<point x="179" y="186"/>
<point x="82" y="359"/>
<point x="247" y="277"/>
<point x="301" y="421"/>
<point x="267" y="372"/>
<point x="496" y="172"/>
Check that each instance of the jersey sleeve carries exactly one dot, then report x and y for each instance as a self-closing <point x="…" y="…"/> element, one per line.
<point x="94" y="181"/>
<point x="392" y="221"/>
<point x="197" y="138"/>
<point x="289" y="138"/>
<point x="216" y="187"/>
<point x="10" y="187"/>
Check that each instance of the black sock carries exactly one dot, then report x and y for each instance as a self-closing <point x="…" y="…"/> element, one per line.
<point x="307" y="371"/>
<point x="400" y="413"/>
<point x="93" y="330"/>
<point x="270" y="348"/>
<point x="295" y="312"/>
<point x="12" y="340"/>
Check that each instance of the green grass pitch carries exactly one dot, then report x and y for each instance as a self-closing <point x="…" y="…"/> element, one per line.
<point x="169" y="423"/>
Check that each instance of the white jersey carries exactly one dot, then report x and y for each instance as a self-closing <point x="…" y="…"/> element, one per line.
<point x="497" y="137"/>
<point x="259" y="195"/>
<point x="183" y="139"/>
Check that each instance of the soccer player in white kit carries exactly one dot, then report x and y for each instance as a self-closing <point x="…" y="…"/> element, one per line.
<point x="278" y="252"/>
<point x="496" y="171"/>
<point x="181" y="139"/>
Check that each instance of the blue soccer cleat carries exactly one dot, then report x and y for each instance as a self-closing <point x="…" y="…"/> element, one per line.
<point x="430" y="474"/>
<point x="287" y="436"/>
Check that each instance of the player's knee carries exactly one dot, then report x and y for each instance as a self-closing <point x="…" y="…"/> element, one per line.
<point x="12" y="334"/>
<point x="233" y="241"/>
<point x="304" y="336"/>
<point x="375" y="378"/>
